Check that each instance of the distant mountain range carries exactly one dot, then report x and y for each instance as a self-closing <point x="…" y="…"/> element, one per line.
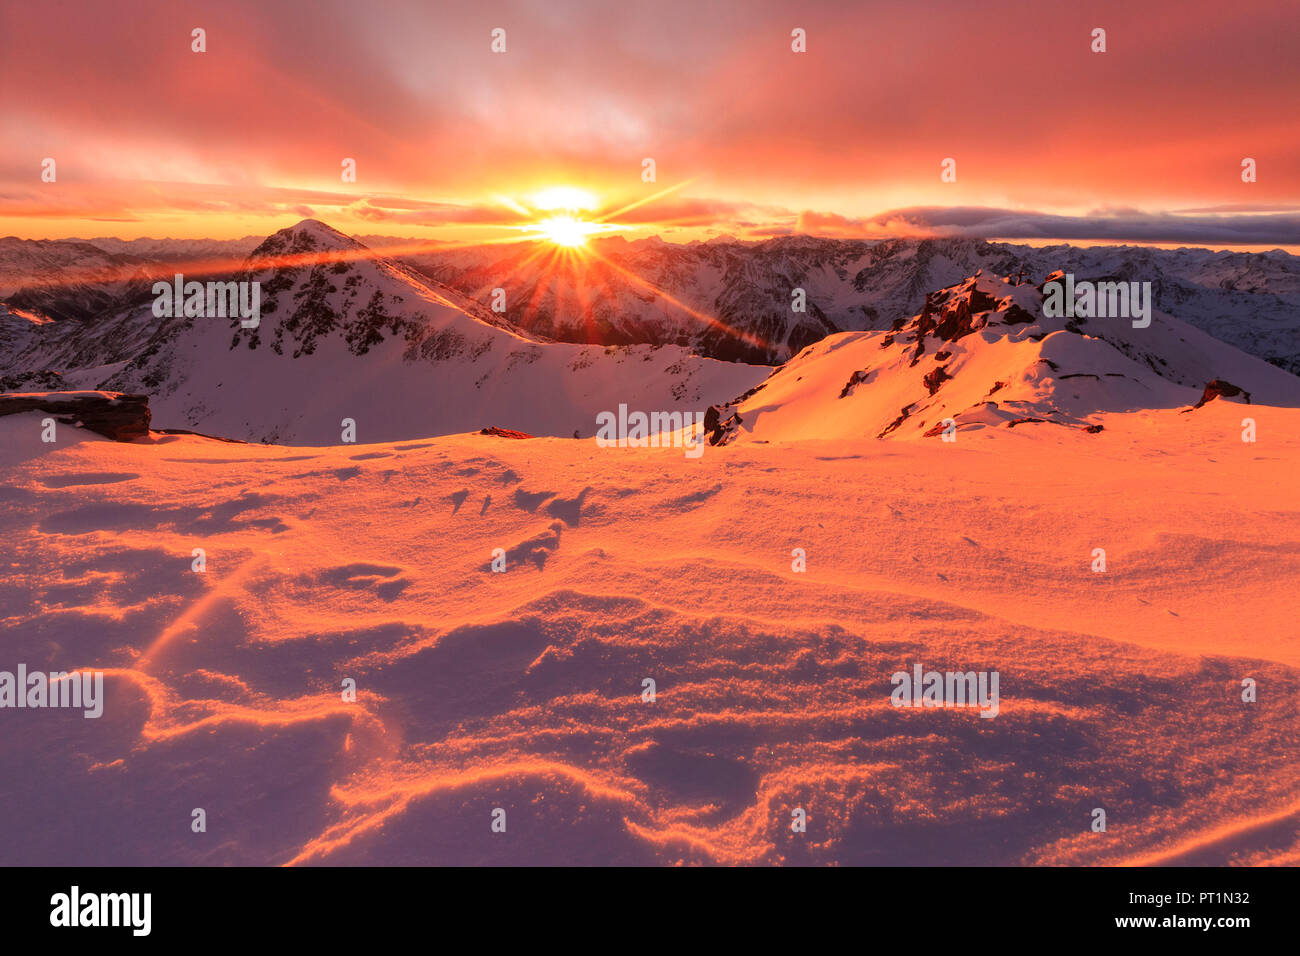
<point x="723" y="298"/>
<point x="409" y="346"/>
<point x="344" y="335"/>
<point x="1250" y="300"/>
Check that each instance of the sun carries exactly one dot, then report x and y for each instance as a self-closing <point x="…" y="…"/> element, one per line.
<point x="566" y="198"/>
<point x="568" y="231"/>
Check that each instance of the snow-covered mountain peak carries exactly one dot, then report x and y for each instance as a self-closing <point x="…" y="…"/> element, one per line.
<point x="305" y="236"/>
<point x="983" y="301"/>
<point x="982" y="353"/>
<point x="347" y="333"/>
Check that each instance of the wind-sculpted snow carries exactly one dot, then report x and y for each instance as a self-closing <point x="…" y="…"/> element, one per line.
<point x="523" y="690"/>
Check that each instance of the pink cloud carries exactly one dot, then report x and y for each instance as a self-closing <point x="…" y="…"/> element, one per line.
<point x="413" y="93"/>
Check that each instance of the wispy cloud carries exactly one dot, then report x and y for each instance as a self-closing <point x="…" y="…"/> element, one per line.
<point x="1238" y="228"/>
<point x="587" y="90"/>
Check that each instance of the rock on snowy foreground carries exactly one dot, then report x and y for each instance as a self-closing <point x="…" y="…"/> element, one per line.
<point x="111" y="414"/>
<point x="234" y="595"/>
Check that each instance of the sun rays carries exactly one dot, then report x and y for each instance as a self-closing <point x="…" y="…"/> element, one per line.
<point x="567" y="231"/>
<point x="556" y="227"/>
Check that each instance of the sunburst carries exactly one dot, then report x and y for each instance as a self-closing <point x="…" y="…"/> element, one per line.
<point x="568" y="231"/>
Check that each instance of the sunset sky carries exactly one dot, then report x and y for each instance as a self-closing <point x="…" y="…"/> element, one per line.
<point x="453" y="141"/>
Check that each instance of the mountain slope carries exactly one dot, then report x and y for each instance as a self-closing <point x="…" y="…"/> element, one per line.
<point x="724" y="298"/>
<point x="68" y="279"/>
<point x="982" y="353"/>
<point x="346" y="334"/>
<point x="653" y="291"/>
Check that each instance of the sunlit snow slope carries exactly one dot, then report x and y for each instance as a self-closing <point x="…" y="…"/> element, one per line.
<point x="345" y="334"/>
<point x="983" y="354"/>
<point x="523" y="690"/>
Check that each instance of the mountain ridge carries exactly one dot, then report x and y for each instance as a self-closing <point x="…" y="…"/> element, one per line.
<point x="982" y="354"/>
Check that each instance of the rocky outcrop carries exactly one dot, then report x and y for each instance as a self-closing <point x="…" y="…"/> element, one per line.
<point x="856" y="379"/>
<point x="935" y="377"/>
<point x="186" y="431"/>
<point x="40" y="381"/>
<point x="1218" y="388"/>
<point x="504" y="432"/>
<point x="719" y="429"/>
<point x="111" y="414"/>
<point x="902" y="417"/>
